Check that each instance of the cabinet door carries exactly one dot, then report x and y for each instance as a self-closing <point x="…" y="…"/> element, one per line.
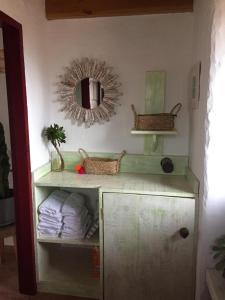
<point x="145" y="257"/>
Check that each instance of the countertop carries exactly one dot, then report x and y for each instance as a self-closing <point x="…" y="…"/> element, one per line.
<point x="164" y="185"/>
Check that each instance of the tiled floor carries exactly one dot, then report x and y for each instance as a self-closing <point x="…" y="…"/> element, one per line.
<point x="9" y="287"/>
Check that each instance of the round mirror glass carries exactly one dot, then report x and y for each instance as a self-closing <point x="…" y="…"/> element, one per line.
<point x="89" y="93"/>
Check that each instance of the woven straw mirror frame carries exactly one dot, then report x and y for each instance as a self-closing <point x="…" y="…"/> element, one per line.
<point x="78" y="70"/>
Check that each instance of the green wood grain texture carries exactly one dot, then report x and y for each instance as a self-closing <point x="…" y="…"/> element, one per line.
<point x="193" y="181"/>
<point x="42" y="171"/>
<point x="142" y="244"/>
<point x="154" y="103"/>
<point x="131" y="183"/>
<point x="132" y="163"/>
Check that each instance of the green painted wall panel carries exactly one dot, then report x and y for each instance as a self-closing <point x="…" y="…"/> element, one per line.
<point x="154" y="103"/>
<point x="132" y="163"/>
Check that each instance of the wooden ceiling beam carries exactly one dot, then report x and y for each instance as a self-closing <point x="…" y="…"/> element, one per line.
<point x="68" y="9"/>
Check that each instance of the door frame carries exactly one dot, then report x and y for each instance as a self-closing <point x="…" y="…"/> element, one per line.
<point x="18" y="120"/>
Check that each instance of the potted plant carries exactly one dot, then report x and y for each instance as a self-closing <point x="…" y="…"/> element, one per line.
<point x="56" y="135"/>
<point x="219" y="254"/>
<point x="7" y="209"/>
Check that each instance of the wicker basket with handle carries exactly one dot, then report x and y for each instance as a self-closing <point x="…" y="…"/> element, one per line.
<point x="163" y="121"/>
<point x="100" y="166"/>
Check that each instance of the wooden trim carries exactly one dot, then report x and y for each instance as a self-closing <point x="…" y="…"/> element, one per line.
<point x="61" y="9"/>
<point x="2" y="61"/>
<point x="18" y="119"/>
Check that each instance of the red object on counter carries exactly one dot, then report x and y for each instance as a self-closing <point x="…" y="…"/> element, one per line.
<point x="77" y="168"/>
<point x="80" y="169"/>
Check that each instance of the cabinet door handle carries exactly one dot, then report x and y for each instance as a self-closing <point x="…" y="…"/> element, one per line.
<point x="184" y="232"/>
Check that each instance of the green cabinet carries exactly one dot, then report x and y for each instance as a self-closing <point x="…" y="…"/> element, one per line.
<point x="148" y="247"/>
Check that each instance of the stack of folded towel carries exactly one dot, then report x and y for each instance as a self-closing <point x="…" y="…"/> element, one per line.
<point x="94" y="225"/>
<point x="76" y="219"/>
<point x="50" y="217"/>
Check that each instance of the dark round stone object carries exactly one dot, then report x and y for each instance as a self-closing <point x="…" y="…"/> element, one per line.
<point x="167" y="165"/>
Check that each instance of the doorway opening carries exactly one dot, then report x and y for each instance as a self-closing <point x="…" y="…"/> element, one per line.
<point x="19" y="140"/>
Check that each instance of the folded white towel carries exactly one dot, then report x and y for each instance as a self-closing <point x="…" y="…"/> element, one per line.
<point x="44" y="225"/>
<point x="78" y="232"/>
<point x="49" y="233"/>
<point x="47" y="223"/>
<point x="73" y="205"/>
<point x="52" y="206"/>
<point x="72" y="236"/>
<point x="93" y="228"/>
<point x="80" y="228"/>
<point x="94" y="224"/>
<point x="53" y="220"/>
<point x="76" y="220"/>
<point x="73" y="233"/>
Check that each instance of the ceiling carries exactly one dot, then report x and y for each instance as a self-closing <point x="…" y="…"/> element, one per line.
<point x="61" y="9"/>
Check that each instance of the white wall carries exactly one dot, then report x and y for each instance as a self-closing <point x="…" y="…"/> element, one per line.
<point x="132" y="45"/>
<point x="203" y="17"/>
<point x="207" y="140"/>
<point x="31" y="14"/>
<point x="215" y="164"/>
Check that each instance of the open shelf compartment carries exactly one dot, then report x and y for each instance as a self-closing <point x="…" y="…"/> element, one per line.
<point x="65" y="266"/>
<point x="66" y="269"/>
<point x="92" y="242"/>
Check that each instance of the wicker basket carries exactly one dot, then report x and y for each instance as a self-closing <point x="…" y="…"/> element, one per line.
<point x="100" y="166"/>
<point x="163" y="121"/>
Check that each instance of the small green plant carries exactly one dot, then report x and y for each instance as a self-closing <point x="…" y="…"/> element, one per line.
<point x="56" y="135"/>
<point x="4" y="166"/>
<point x="219" y="253"/>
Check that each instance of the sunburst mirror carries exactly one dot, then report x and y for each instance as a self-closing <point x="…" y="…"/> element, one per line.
<point x="88" y="92"/>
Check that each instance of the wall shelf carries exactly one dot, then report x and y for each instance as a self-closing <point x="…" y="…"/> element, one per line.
<point x="154" y="132"/>
<point x="92" y="242"/>
<point x="155" y="135"/>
